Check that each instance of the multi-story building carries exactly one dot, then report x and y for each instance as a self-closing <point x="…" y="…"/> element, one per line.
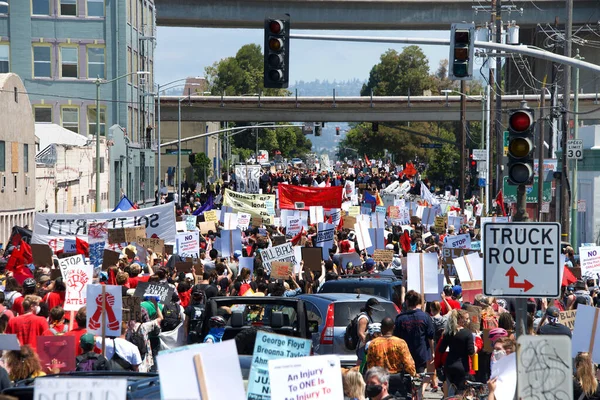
<point x="17" y="153"/>
<point x="60" y="48"/>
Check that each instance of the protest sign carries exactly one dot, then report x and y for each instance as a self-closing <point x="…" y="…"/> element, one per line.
<point x="49" y="387"/>
<point x="104" y="306"/>
<point x="65" y="263"/>
<point x="281" y="269"/>
<point x="76" y="280"/>
<point x="293" y="227"/>
<point x="157" y="245"/>
<point x="97" y="239"/>
<point x="210" y="216"/>
<point x="257" y="221"/>
<point x="132" y="308"/>
<point x="362" y="235"/>
<point x="247" y="178"/>
<point x="348" y="221"/>
<point x="52" y="229"/>
<point x="458" y="241"/>
<point x="125" y="235"/>
<point x="590" y="259"/>
<point x="42" y="255"/>
<point x="505" y="372"/>
<point x="336" y="216"/>
<point x="180" y="226"/>
<point x="378" y="220"/>
<point x="109" y="258"/>
<point x="586" y="334"/>
<point x="327" y="197"/>
<point x="440" y="225"/>
<point x="230" y="221"/>
<point x="162" y="290"/>
<point x="57" y="352"/>
<point x="218" y="372"/>
<point x="448" y="256"/>
<point x="247" y="262"/>
<point x="380" y="209"/>
<point x="178" y="374"/>
<point x="346" y="258"/>
<point x="231" y="240"/>
<point x="567" y="318"/>
<point x="394" y="212"/>
<point x="469" y="267"/>
<point x="316" y="214"/>
<point x="377" y="240"/>
<point x="422" y="271"/>
<point x="243" y="220"/>
<point x="427" y="215"/>
<point x="324" y="238"/>
<point x="254" y="204"/>
<point x="354" y="211"/>
<point x="69" y="246"/>
<point x="188" y="244"/>
<point x="270" y="346"/>
<point x="190" y="222"/>
<point x="278" y="240"/>
<point x="206" y="227"/>
<point x="9" y="342"/>
<point x="282" y="252"/>
<point x="306" y="378"/>
<point x="455" y="221"/>
<point x="384" y="256"/>
<point x="312" y="257"/>
<point x="184" y="266"/>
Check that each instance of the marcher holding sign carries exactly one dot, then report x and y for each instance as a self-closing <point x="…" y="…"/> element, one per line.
<point x="77" y="279"/>
<point x="188" y="244"/>
<point x="104" y="310"/>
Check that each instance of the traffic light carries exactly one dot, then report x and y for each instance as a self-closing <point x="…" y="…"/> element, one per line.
<point x="337" y="131"/>
<point x="277" y="52"/>
<point x="521" y="124"/>
<point x="192" y="158"/>
<point x="472" y="166"/>
<point x="318" y="130"/>
<point x="462" y="38"/>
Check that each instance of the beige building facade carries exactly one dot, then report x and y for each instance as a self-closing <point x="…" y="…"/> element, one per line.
<point x="17" y="156"/>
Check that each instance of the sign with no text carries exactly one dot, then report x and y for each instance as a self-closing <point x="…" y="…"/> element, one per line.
<point x="521" y="259"/>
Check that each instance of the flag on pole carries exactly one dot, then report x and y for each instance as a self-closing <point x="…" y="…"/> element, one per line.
<point x="125" y="205"/>
<point x="500" y="202"/>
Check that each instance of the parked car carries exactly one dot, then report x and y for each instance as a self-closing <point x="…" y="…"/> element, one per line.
<point x="388" y="287"/>
<point x="284" y="315"/>
<point x="333" y="312"/>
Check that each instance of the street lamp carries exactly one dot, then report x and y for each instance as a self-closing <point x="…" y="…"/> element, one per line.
<point x="99" y="82"/>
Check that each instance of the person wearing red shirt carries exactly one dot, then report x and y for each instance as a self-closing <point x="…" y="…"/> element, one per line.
<point x="29" y="286"/>
<point x="57" y="296"/>
<point x="57" y="323"/>
<point x="28" y="326"/>
<point x="81" y="319"/>
<point x="448" y="302"/>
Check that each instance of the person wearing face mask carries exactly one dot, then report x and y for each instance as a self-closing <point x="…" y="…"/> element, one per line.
<point x="377" y="384"/>
<point x="216" y="331"/>
<point x="29" y="325"/>
<point x="496" y="335"/>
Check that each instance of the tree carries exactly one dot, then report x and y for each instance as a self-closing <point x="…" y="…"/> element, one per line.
<point x="201" y="167"/>
<point x="443" y="165"/>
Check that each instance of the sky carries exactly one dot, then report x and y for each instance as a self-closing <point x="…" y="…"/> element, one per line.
<point x="183" y="52"/>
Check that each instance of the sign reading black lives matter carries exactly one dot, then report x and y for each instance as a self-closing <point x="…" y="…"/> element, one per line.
<point x="521" y="259"/>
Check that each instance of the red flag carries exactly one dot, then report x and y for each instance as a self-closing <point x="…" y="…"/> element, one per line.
<point x="21" y="273"/>
<point x="296" y="239"/>
<point x="26" y="251"/>
<point x="405" y="242"/>
<point x="500" y="202"/>
<point x="82" y="247"/>
<point x="568" y="277"/>
<point x="16" y="258"/>
<point x="367" y="160"/>
<point x="410" y="170"/>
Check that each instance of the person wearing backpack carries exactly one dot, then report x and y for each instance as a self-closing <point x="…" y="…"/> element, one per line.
<point x="194" y="313"/>
<point x="122" y="355"/>
<point x="171" y="315"/>
<point x="138" y="332"/>
<point x="89" y="360"/>
<point x="57" y="326"/>
<point x="355" y="337"/>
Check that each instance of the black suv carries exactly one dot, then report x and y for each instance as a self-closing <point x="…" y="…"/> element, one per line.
<point x="388" y="287"/>
<point x="284" y="315"/>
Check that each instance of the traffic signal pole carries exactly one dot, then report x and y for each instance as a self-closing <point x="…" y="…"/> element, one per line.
<point x="463" y="143"/>
<point x="564" y="194"/>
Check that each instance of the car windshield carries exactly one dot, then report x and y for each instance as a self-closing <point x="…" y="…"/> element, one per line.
<point x="344" y="312"/>
<point x="260" y="315"/>
<point x="349" y="287"/>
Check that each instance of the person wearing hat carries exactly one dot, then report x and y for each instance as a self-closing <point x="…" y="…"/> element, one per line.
<point x="448" y="303"/>
<point x="553" y="327"/>
<point x="364" y="319"/>
<point x="89" y="360"/>
<point x="369" y="266"/>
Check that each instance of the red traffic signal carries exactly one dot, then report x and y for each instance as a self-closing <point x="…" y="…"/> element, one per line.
<point x="520" y="121"/>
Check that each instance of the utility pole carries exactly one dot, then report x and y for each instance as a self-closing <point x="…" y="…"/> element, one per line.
<point x="564" y="194"/>
<point x="498" y="108"/>
<point x="574" y="194"/>
<point x="541" y="131"/>
<point x="463" y="142"/>
<point x="492" y="112"/>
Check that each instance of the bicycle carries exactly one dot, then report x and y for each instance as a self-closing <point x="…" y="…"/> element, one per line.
<point x="416" y="384"/>
<point x="473" y="391"/>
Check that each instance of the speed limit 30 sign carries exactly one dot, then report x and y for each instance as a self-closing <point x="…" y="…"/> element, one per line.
<point x="575" y="149"/>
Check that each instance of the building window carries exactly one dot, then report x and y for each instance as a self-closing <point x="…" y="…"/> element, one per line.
<point x="70" y="118"/>
<point x="74" y="200"/>
<point x="4" y="9"/>
<point x="42" y="114"/>
<point x="42" y="62"/>
<point x="129" y="70"/>
<point x="91" y="116"/>
<point x="95" y="8"/>
<point x="2" y="156"/>
<point x="26" y="157"/>
<point x="69" y="62"/>
<point x="96" y="59"/>
<point x="4" y="58"/>
<point x="40" y="7"/>
<point x="68" y="7"/>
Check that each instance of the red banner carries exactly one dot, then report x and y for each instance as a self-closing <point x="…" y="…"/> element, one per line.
<point x="290" y="196"/>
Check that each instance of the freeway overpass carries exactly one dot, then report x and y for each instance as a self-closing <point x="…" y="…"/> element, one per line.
<point x="365" y="14"/>
<point x="348" y="109"/>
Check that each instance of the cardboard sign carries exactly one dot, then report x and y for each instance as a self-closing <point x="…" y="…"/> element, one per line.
<point x="111" y="295"/>
<point x="188" y="244"/>
<point x="283" y="252"/>
<point x="57" y="352"/>
<point x="384" y="256"/>
<point x="448" y="256"/>
<point x="169" y="249"/>
<point x="163" y="290"/>
<point x="281" y="269"/>
<point x="42" y="255"/>
<point x="109" y="259"/>
<point x="207" y="226"/>
<point x="257" y="221"/>
<point x="469" y="267"/>
<point x="312" y="257"/>
<point x="348" y="221"/>
<point x="48" y="387"/>
<point x="157" y="245"/>
<point x="125" y="235"/>
<point x="69" y="262"/>
<point x="184" y="267"/>
<point x="324" y="238"/>
<point x="210" y="216"/>
<point x="440" y="225"/>
<point x="278" y="240"/>
<point x="270" y="346"/>
<point x="567" y="318"/>
<point x="132" y="308"/>
<point x="422" y="273"/>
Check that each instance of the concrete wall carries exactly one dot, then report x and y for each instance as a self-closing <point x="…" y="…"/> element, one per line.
<point x="69" y="185"/>
<point x="17" y="174"/>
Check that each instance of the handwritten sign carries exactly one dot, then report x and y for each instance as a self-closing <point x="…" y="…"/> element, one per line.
<point x="110" y="258"/>
<point x="125" y="235"/>
<point x="132" y="308"/>
<point x="65" y="263"/>
<point x="281" y="269"/>
<point x="77" y="279"/>
<point x="384" y="256"/>
<point x="157" y="245"/>
<point x="48" y="387"/>
<point x="210" y="216"/>
<point x="283" y="252"/>
<point x="190" y="222"/>
<point x="567" y="318"/>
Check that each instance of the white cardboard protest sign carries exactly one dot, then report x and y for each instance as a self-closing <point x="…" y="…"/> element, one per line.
<point x="188" y="244"/>
<point x="293" y="227"/>
<point x="218" y="372"/>
<point x="422" y="271"/>
<point x="230" y="221"/>
<point x="362" y="235"/>
<point x="243" y="220"/>
<point x="586" y="334"/>
<point x="77" y="279"/>
<point x="316" y="214"/>
<point x="590" y="259"/>
<point x="377" y="220"/>
<point x="458" y="242"/>
<point x="505" y="371"/>
<point x="324" y="238"/>
<point x="283" y="252"/>
<point x="114" y="309"/>
<point x="306" y="378"/>
<point x="377" y="240"/>
<point x="231" y="240"/>
<point x="65" y="263"/>
<point x="48" y="387"/>
<point x="469" y="267"/>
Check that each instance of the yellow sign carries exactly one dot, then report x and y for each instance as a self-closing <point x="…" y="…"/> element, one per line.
<point x="255" y="204"/>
